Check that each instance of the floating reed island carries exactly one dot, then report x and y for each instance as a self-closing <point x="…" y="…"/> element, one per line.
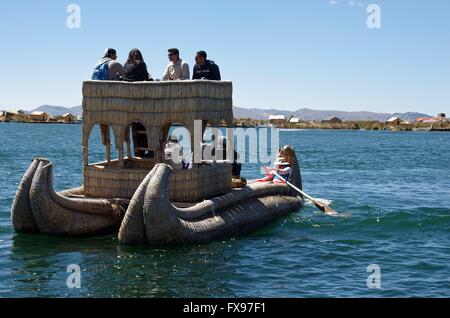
<point x="141" y="195"/>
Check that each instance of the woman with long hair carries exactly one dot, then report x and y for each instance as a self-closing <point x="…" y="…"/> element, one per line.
<point x="135" y="69"/>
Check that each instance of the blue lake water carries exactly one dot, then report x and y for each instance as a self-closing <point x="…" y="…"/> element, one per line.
<point x="394" y="185"/>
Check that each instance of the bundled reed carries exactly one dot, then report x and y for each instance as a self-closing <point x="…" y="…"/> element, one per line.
<point x="184" y="186"/>
<point x="152" y="219"/>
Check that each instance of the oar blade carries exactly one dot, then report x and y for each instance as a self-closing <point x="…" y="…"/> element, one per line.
<point x="325" y="208"/>
<point x="320" y="206"/>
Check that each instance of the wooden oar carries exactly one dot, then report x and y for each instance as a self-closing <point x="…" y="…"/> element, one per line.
<point x="321" y="206"/>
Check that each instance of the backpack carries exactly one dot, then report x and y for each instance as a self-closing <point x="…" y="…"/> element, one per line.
<point x="101" y="72"/>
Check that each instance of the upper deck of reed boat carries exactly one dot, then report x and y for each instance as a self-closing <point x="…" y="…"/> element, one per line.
<point x="129" y="110"/>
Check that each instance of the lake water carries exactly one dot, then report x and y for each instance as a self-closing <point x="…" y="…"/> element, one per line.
<point x="395" y="186"/>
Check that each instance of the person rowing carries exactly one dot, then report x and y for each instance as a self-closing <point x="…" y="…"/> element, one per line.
<point x="279" y="174"/>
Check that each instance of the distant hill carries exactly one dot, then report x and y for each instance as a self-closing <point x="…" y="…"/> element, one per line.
<point x="260" y="114"/>
<point x="60" y="110"/>
<point x="311" y="114"/>
<point x="410" y="115"/>
<point x="257" y="113"/>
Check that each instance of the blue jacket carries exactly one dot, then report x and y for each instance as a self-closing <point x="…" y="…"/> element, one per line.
<point x="209" y="71"/>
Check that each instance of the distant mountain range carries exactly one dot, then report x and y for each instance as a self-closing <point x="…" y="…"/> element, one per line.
<point x="311" y="114"/>
<point x="60" y="110"/>
<point x="263" y="114"/>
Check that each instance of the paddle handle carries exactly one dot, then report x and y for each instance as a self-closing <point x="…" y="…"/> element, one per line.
<point x="297" y="189"/>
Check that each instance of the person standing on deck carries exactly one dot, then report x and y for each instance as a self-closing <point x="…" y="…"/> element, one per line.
<point x="220" y="153"/>
<point x="108" y="68"/>
<point x="205" y="69"/>
<point x="177" y="69"/>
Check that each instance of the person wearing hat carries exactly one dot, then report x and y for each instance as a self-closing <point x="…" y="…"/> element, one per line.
<point x="282" y="167"/>
<point x="108" y="68"/>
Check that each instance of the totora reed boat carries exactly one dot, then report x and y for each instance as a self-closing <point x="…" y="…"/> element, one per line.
<point x="140" y="194"/>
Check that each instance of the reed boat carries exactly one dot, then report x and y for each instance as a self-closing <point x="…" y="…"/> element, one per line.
<point x="141" y="195"/>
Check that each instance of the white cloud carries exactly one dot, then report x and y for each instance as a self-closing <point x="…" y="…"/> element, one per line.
<point x="333" y="2"/>
<point x="356" y="4"/>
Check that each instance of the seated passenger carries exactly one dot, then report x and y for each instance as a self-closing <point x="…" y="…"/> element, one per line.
<point x="141" y="142"/>
<point x="205" y="69"/>
<point x="177" y="69"/>
<point x="282" y="167"/>
<point x="108" y="68"/>
<point x="173" y="151"/>
<point x="135" y="69"/>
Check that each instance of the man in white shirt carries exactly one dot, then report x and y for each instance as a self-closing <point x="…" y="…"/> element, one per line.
<point x="177" y="69"/>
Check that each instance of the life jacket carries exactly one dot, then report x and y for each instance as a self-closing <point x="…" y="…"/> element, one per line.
<point x="285" y="176"/>
<point x="101" y="71"/>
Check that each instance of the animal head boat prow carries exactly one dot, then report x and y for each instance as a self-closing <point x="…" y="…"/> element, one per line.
<point x="48" y="212"/>
<point x="288" y="152"/>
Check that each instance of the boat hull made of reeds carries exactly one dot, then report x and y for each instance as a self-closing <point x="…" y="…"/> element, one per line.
<point x="38" y="209"/>
<point x="151" y="218"/>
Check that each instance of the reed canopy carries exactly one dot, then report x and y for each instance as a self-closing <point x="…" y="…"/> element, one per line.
<point x="139" y="116"/>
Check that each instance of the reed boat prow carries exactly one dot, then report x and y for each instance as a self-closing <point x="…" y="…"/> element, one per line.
<point x="37" y="208"/>
<point x="242" y="210"/>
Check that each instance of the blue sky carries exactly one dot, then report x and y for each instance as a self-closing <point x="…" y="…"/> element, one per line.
<point x="283" y="54"/>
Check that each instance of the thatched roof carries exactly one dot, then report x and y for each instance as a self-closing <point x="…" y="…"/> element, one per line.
<point x="38" y="113"/>
<point x="276" y="117"/>
<point x="393" y="119"/>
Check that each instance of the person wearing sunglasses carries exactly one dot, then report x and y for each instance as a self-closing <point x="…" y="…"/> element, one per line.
<point x="177" y="69"/>
<point x="205" y="69"/>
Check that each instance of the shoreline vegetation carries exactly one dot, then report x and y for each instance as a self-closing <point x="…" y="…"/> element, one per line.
<point x="250" y="123"/>
<point x="346" y="125"/>
<point x="37" y="117"/>
<point x="334" y="124"/>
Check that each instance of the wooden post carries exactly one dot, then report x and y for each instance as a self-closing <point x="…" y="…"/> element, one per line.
<point x="128" y="141"/>
<point x="108" y="152"/>
<point x="107" y="142"/>
<point x="85" y="155"/>
<point x="121" y="162"/>
<point x="128" y="149"/>
<point x="85" y="144"/>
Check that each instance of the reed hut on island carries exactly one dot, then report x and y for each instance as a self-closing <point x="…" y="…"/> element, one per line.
<point x="6" y="116"/>
<point x="38" y="116"/>
<point x="15" y="116"/>
<point x="277" y="120"/>
<point x="68" y="118"/>
<point x="332" y="120"/>
<point x="394" y="121"/>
